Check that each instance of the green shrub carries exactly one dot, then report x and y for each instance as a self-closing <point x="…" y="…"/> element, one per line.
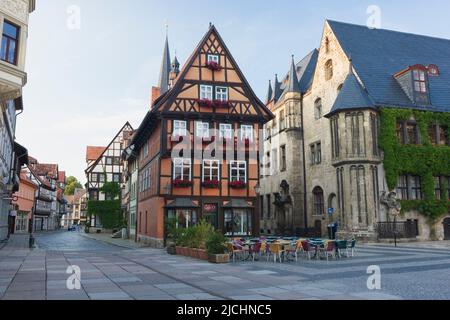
<point x="216" y="243"/>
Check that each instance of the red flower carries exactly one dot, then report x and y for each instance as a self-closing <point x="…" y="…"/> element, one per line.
<point x="211" y="184"/>
<point x="178" y="183"/>
<point x="214" y="66"/>
<point x="221" y="103"/>
<point x="205" y="103"/>
<point x="237" y="185"/>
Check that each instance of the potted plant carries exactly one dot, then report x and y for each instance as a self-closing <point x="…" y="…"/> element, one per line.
<point x="217" y="249"/>
<point x="210" y="184"/>
<point x="221" y="103"/>
<point x="214" y="66"/>
<point x="237" y="185"/>
<point x="205" y="103"/>
<point x="179" y="183"/>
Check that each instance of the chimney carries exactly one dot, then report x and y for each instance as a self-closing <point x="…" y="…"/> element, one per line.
<point x="156" y="92"/>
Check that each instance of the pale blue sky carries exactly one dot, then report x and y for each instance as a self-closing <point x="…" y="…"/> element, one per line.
<point x="83" y="85"/>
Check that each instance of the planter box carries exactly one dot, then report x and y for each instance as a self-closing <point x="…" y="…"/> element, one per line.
<point x="171" y="250"/>
<point x="219" y="258"/>
<point x="192" y="253"/>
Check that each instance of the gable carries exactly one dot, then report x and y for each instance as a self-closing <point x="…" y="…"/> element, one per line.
<point x="185" y="94"/>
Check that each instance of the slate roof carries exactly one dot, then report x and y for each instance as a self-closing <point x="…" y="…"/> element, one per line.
<point x="165" y="69"/>
<point x="50" y="170"/>
<point x="305" y="72"/>
<point x="292" y="81"/>
<point x="378" y="54"/>
<point x="352" y="96"/>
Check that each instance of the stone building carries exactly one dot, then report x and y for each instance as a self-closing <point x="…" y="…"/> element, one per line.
<point x="14" y="16"/>
<point x="362" y="74"/>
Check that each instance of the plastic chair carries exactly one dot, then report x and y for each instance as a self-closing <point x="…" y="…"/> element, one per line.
<point x="352" y="246"/>
<point x="328" y="249"/>
<point x="234" y="251"/>
<point x="255" y="249"/>
<point x="341" y="246"/>
<point x="275" y="250"/>
<point x="307" y="249"/>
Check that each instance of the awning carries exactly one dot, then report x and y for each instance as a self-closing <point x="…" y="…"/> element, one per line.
<point x="238" y="204"/>
<point x="182" y="203"/>
<point x="21" y="154"/>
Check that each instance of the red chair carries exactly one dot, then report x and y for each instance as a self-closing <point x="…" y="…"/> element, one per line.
<point x="329" y="249"/>
<point x="307" y="249"/>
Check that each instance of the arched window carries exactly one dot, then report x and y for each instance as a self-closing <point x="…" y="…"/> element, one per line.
<point x="318" y="109"/>
<point x="329" y="69"/>
<point x="318" y="200"/>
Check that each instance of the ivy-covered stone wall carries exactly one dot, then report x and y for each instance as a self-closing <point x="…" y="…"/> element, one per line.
<point x="424" y="160"/>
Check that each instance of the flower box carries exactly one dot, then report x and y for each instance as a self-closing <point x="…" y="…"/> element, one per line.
<point x="212" y="65"/>
<point x="237" y="185"/>
<point x="182" y="183"/>
<point x="219" y="258"/>
<point x="205" y="103"/>
<point x="211" y="184"/>
<point x="221" y="103"/>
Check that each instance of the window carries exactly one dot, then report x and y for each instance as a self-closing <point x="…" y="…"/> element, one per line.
<point x="329" y="70"/>
<point x="109" y="160"/>
<point x="327" y="45"/>
<point x="10" y="42"/>
<point x="416" y="188"/>
<point x="402" y="187"/>
<point x="238" y="170"/>
<point x="274" y="161"/>
<point x="375" y="134"/>
<point x="94" y="177"/>
<point x="222" y="93"/>
<point x="438" y="134"/>
<point x="437" y="188"/>
<point x="282" y="121"/>
<point x="146" y="150"/>
<point x="179" y="128"/>
<point x="145" y="180"/>
<point x="181" y="169"/>
<point x="206" y="92"/>
<point x="420" y="82"/>
<point x="318" y="109"/>
<point x="432" y="133"/>
<point x="225" y="131"/>
<point x="412" y="133"/>
<point x="247" y="132"/>
<point x="319" y="203"/>
<point x="116" y="177"/>
<point x="184" y="218"/>
<point x="101" y="177"/>
<point x="316" y="153"/>
<point x="269" y="207"/>
<point x="335" y="147"/>
<point x="116" y="161"/>
<point x="202" y="129"/>
<point x="283" y="158"/>
<point x="213" y="58"/>
<point x="211" y="170"/>
<point x="238" y="222"/>
<point x="339" y="88"/>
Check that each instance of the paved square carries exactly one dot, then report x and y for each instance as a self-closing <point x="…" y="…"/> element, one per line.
<point x="109" y="272"/>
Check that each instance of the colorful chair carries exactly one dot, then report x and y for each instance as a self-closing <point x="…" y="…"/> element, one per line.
<point x="328" y="249"/>
<point x="275" y="250"/>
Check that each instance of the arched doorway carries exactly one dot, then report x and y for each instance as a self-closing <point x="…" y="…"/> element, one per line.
<point x="446" y="228"/>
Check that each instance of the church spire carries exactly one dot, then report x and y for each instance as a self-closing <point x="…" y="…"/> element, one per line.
<point x="165" y="67"/>
<point x="269" y="92"/>
<point x="293" y="85"/>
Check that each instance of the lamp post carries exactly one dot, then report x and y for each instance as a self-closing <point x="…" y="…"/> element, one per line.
<point x="257" y="189"/>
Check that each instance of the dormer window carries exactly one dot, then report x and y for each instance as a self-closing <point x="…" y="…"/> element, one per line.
<point x="433" y="70"/>
<point x="420" y="82"/>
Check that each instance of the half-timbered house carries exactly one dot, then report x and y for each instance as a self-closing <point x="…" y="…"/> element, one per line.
<point x="197" y="147"/>
<point x="105" y="165"/>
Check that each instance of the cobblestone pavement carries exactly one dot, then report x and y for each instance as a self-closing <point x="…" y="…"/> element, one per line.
<point x="112" y="272"/>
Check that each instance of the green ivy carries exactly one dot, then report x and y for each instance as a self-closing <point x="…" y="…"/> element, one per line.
<point x="423" y="160"/>
<point x="108" y="211"/>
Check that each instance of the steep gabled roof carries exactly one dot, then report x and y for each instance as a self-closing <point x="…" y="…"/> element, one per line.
<point x="165" y="68"/>
<point x="352" y="96"/>
<point x="127" y="124"/>
<point x="92" y="153"/>
<point x="378" y="54"/>
<point x="50" y="170"/>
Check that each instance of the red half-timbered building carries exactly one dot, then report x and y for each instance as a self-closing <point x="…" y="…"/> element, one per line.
<point x="211" y="112"/>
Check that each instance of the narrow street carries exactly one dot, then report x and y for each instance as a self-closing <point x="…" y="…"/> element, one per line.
<point x="112" y="272"/>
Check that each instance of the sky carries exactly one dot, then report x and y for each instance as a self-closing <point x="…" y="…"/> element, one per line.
<point x="91" y="63"/>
